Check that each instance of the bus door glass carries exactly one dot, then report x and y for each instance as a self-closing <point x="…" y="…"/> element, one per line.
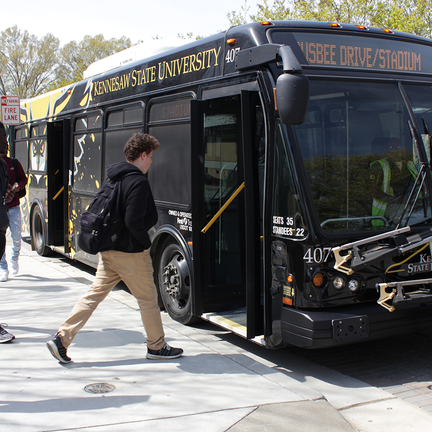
<point x="222" y="213"/>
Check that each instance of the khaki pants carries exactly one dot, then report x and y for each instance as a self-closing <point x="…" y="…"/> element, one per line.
<point x="136" y="271"/>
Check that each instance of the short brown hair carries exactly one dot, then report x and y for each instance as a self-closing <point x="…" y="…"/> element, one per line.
<point x="139" y="143"/>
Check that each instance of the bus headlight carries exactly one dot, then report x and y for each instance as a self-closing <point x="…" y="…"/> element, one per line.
<point x="353" y="285"/>
<point x="338" y="283"/>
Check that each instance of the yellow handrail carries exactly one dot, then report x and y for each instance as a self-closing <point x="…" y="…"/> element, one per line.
<point x="58" y="193"/>
<point x="223" y="208"/>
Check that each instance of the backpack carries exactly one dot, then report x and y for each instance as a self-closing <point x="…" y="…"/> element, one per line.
<point x="101" y="223"/>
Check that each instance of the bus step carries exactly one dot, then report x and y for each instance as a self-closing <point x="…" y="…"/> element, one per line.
<point x="234" y="321"/>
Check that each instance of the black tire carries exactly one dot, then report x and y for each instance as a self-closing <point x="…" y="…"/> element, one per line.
<point x="175" y="283"/>
<point x="156" y="282"/>
<point x="38" y="233"/>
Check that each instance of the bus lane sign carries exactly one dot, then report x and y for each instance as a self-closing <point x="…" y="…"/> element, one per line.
<point x="10" y="110"/>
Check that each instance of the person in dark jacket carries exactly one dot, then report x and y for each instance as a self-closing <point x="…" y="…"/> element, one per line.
<point x="5" y="336"/>
<point x="129" y="261"/>
<point x="17" y="182"/>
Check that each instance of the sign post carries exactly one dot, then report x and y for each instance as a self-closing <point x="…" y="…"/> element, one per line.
<point x="10" y="110"/>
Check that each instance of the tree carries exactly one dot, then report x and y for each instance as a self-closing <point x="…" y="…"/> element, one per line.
<point x="75" y="57"/>
<point x="30" y="66"/>
<point x="27" y="64"/>
<point x="189" y="35"/>
<point x="411" y="16"/>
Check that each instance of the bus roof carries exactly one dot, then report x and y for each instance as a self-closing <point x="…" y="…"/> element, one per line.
<point x="148" y="68"/>
<point x="132" y="54"/>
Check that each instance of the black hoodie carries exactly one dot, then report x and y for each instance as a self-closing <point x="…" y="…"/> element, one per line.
<point x="137" y="207"/>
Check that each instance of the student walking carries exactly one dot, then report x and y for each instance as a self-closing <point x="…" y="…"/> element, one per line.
<point x="130" y="260"/>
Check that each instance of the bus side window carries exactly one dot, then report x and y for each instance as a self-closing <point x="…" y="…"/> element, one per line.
<point x="38" y="148"/>
<point x="169" y="122"/>
<point x="87" y="153"/>
<point x="122" y="122"/>
<point x="21" y="149"/>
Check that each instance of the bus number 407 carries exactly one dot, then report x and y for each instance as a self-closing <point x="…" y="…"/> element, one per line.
<point x="317" y="255"/>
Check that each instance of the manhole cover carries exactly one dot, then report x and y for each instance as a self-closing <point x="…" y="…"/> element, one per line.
<point x="99" y="388"/>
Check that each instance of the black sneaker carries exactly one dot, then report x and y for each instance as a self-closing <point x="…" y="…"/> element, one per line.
<point x="166" y="352"/>
<point x="58" y="350"/>
<point x="5" y="336"/>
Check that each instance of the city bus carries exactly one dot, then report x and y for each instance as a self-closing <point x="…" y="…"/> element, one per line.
<point x="293" y="181"/>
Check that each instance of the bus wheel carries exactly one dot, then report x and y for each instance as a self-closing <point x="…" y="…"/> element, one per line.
<point x="175" y="283"/>
<point x="37" y="233"/>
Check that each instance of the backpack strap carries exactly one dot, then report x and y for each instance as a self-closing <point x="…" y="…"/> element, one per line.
<point x="15" y="167"/>
<point x="4" y="178"/>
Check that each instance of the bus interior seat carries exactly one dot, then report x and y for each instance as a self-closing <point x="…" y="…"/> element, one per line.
<point x="364" y="128"/>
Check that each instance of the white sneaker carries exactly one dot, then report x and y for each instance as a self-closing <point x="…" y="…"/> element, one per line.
<point x="3" y="275"/>
<point x="14" y="268"/>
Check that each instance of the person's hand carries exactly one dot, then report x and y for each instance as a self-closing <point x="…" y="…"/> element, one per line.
<point x="10" y="193"/>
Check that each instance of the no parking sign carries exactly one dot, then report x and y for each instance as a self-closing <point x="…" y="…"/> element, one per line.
<point x="10" y="110"/>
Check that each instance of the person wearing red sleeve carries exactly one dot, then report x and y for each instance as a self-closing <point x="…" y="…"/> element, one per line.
<point x="5" y="336"/>
<point x="17" y="181"/>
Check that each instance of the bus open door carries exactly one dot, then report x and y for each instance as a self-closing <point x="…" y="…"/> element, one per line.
<point x="58" y="174"/>
<point x="226" y="211"/>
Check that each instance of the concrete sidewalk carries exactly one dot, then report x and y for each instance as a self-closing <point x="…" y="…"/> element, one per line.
<point x="216" y="386"/>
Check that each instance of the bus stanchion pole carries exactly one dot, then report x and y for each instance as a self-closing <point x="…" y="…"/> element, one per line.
<point x="223" y="208"/>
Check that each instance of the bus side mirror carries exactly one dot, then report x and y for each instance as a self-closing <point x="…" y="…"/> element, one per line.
<point x="292" y="97"/>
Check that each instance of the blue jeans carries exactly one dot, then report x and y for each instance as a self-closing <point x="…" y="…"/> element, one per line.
<point x="15" y="230"/>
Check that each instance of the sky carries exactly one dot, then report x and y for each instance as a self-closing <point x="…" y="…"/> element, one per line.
<point x="136" y="19"/>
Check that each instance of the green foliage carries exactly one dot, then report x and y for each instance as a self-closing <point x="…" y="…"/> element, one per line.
<point x="189" y="35"/>
<point x="75" y="57"/>
<point x="27" y="64"/>
<point x="411" y="16"/>
<point x="30" y="66"/>
<point x="238" y="18"/>
<point x="277" y="11"/>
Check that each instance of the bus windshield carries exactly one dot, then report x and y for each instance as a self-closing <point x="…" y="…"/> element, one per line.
<point x="360" y="157"/>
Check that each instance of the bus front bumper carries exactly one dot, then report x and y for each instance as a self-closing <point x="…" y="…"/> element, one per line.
<point x="331" y="327"/>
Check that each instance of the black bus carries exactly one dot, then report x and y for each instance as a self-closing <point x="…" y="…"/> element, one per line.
<point x="293" y="182"/>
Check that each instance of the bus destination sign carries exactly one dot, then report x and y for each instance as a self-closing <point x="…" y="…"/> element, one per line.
<point x="372" y="53"/>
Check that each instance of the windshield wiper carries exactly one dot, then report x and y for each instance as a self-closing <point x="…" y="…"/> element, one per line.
<point x="425" y="127"/>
